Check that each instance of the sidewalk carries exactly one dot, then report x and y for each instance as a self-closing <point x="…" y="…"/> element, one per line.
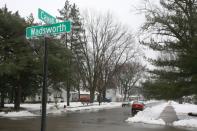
<point x="169" y="115"/>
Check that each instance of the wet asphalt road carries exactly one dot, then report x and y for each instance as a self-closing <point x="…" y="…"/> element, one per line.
<point x="103" y="120"/>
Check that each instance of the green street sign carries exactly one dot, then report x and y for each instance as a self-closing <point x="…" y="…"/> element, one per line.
<point x="47" y="18"/>
<point x="57" y="28"/>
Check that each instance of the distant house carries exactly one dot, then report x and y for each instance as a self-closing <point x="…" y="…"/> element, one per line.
<point x="61" y="96"/>
<point x="54" y="96"/>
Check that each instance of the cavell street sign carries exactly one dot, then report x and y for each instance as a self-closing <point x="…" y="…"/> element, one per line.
<point x="52" y="29"/>
<point x="47" y="18"/>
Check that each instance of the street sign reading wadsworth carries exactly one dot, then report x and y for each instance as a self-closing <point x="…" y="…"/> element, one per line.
<point x="47" y="18"/>
<point x="57" y="28"/>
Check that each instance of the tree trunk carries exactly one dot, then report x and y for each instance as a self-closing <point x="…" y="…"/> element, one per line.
<point x="68" y="94"/>
<point x="104" y="93"/>
<point x="100" y="98"/>
<point x="23" y="98"/>
<point x="2" y="99"/>
<point x="12" y="96"/>
<point x="17" y="99"/>
<point x="78" y="92"/>
<point x="125" y="95"/>
<point x="92" y="95"/>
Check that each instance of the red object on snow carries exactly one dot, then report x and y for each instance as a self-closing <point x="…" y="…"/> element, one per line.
<point x="138" y="106"/>
<point x="84" y="98"/>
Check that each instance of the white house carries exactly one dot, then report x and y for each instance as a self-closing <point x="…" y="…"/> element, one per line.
<point x="61" y="96"/>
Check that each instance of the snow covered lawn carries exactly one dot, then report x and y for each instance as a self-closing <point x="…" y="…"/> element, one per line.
<point x="182" y="111"/>
<point x="17" y="114"/>
<point x="149" y="115"/>
<point x="34" y="109"/>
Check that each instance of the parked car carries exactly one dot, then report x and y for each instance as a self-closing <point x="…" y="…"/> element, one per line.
<point x="136" y="107"/>
<point x="107" y="100"/>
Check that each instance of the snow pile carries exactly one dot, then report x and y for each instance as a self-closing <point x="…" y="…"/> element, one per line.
<point x="94" y="107"/>
<point x="184" y="108"/>
<point x="31" y="106"/>
<point x="35" y="107"/>
<point x="17" y="114"/>
<point x="182" y="111"/>
<point x="149" y="115"/>
<point x="52" y="108"/>
<point x="151" y="101"/>
<point x="27" y="106"/>
<point x="72" y="104"/>
<point x="186" y="123"/>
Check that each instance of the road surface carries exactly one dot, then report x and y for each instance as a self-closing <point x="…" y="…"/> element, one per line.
<point x="103" y="120"/>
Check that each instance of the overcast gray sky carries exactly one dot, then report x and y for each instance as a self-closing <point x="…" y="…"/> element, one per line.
<point x="123" y="10"/>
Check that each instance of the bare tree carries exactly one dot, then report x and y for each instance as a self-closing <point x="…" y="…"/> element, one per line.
<point x="128" y="76"/>
<point x="108" y="43"/>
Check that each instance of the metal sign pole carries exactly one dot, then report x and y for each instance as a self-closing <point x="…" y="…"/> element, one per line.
<point x="44" y="89"/>
<point x="35" y="31"/>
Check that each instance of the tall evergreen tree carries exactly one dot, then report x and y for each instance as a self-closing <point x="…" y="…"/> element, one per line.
<point x="74" y="42"/>
<point x="173" y="33"/>
<point x="16" y="56"/>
